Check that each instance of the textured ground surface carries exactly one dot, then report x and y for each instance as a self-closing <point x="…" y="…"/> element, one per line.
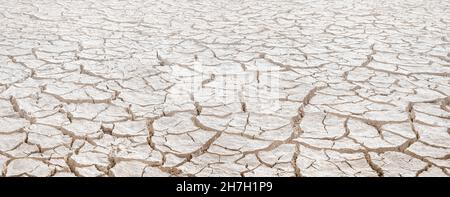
<point x="224" y="88"/>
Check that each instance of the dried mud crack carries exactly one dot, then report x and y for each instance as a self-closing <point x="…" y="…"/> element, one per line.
<point x="225" y="88"/>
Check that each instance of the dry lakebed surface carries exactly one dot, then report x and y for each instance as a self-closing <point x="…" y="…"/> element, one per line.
<point x="224" y="88"/>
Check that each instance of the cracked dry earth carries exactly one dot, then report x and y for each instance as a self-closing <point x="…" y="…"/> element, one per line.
<point x="101" y="88"/>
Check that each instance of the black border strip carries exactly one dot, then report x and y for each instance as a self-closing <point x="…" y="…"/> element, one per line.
<point x="168" y="186"/>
